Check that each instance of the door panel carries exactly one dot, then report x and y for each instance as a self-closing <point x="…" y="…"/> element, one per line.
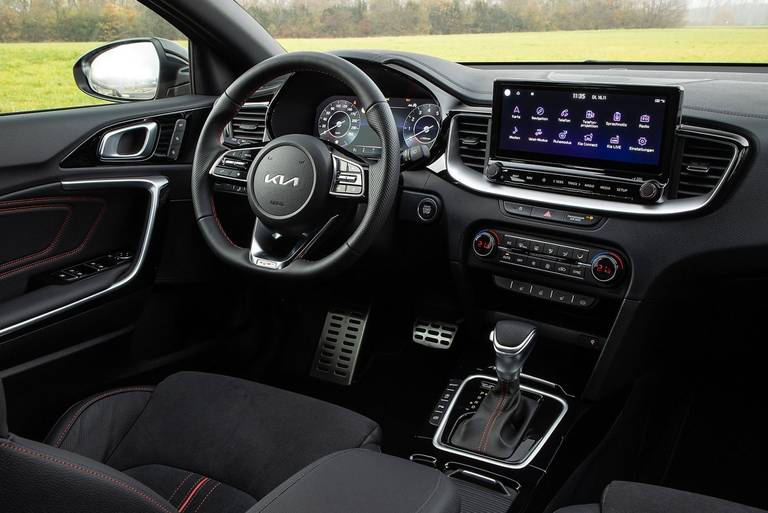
<point x="67" y="220"/>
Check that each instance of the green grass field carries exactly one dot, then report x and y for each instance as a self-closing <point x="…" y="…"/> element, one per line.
<point x="39" y="75"/>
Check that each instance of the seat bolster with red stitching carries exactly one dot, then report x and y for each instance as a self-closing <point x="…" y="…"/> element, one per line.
<point x="38" y="478"/>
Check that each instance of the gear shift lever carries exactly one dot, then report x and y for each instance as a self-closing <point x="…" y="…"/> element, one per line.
<point x="513" y="342"/>
<point x="497" y="426"/>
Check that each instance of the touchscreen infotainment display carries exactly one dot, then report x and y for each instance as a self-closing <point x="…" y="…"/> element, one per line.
<point x="621" y="128"/>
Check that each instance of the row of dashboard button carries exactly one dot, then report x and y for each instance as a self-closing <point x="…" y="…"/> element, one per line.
<point x="541" y="292"/>
<point x="551" y="214"/>
<point x="543" y="264"/>
<point x="603" y="187"/>
<point x="544" y="248"/>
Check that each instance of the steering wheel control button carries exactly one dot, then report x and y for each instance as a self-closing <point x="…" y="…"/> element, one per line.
<point x="427" y="210"/>
<point x="484" y="244"/>
<point x="348" y="178"/>
<point x="606" y="267"/>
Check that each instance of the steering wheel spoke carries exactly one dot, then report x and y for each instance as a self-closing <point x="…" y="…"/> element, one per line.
<point x="273" y="250"/>
<point x="350" y="177"/>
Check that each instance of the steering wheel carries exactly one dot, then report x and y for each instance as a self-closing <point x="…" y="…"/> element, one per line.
<point x="297" y="184"/>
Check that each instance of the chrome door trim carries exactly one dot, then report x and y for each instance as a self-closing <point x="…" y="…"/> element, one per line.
<point x="110" y="142"/>
<point x="155" y="186"/>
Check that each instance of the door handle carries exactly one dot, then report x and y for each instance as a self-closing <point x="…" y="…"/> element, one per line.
<point x="134" y="142"/>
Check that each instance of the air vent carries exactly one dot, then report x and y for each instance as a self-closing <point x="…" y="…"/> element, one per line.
<point x="250" y="123"/>
<point x="703" y="165"/>
<point x="472" y="140"/>
<point x="164" y="139"/>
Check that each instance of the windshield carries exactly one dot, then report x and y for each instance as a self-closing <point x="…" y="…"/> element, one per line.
<point x="705" y="31"/>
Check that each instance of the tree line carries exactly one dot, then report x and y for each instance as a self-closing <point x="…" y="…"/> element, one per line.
<point x="107" y="20"/>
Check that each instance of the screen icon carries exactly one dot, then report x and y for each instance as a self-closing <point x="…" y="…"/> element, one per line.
<point x="562" y="135"/>
<point x="514" y="130"/>
<point x="540" y="111"/>
<point x="507" y="92"/>
<point x="645" y="118"/>
<point x="538" y="132"/>
<point x="589" y="137"/>
<point x="615" y="139"/>
<point x="564" y="113"/>
<point x="617" y="117"/>
<point x="642" y="141"/>
<point x="590" y="114"/>
<point x="516" y="110"/>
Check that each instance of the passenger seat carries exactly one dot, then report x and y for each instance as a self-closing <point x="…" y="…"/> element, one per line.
<point x="625" y="497"/>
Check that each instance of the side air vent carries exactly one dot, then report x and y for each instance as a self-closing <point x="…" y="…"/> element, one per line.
<point x="472" y="140"/>
<point x="249" y="125"/>
<point x="704" y="163"/>
<point x="164" y="138"/>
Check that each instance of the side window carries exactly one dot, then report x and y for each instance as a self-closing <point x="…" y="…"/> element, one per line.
<point x="119" y="50"/>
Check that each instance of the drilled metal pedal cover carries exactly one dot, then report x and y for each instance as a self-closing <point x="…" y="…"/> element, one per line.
<point x="339" y="345"/>
<point x="437" y="334"/>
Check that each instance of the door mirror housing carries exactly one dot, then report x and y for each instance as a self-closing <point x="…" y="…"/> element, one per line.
<point x="134" y="70"/>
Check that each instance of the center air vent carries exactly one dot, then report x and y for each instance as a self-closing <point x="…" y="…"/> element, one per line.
<point x="249" y="125"/>
<point x="472" y="140"/>
<point x="704" y="163"/>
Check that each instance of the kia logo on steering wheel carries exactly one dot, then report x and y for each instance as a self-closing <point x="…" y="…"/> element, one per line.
<point x="280" y="180"/>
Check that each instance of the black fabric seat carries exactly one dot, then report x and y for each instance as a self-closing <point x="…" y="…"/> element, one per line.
<point x="626" y="497"/>
<point x="196" y="443"/>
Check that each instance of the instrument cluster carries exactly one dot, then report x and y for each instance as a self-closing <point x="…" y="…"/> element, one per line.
<point x="341" y="120"/>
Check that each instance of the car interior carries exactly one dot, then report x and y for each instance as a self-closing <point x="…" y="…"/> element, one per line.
<point x="381" y="281"/>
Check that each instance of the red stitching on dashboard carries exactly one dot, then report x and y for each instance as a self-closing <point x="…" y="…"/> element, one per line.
<point x="53" y="243"/>
<point x="66" y="254"/>
<point x="85" y="470"/>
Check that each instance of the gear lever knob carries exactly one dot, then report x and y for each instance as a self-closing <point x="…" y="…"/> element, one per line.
<point x="513" y="342"/>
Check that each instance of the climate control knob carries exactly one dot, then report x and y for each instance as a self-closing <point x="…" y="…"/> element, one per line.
<point x="493" y="171"/>
<point x="607" y="267"/>
<point x="484" y="244"/>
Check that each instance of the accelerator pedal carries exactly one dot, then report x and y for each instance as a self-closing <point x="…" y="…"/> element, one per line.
<point x="339" y="345"/>
<point x="435" y="334"/>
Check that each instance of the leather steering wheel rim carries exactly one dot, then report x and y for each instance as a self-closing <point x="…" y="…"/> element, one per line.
<point x="383" y="176"/>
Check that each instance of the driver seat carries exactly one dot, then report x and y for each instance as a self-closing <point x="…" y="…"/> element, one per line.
<point x="196" y="443"/>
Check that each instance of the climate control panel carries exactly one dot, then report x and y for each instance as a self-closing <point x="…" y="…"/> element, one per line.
<point x="576" y="262"/>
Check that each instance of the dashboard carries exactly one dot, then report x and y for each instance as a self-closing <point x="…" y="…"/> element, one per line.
<point x="340" y="121"/>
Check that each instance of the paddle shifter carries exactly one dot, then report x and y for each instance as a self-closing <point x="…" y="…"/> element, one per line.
<point x="497" y="426"/>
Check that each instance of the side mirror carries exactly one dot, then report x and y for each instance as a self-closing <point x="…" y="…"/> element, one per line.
<point x="134" y="70"/>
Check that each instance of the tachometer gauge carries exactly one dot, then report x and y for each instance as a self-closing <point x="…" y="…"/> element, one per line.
<point x="339" y="122"/>
<point x="422" y="125"/>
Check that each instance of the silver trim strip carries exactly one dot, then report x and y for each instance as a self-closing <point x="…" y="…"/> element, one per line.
<point x="155" y="186"/>
<point x="511" y="351"/>
<point x="476" y="182"/>
<point x="437" y="443"/>
<point x="110" y="143"/>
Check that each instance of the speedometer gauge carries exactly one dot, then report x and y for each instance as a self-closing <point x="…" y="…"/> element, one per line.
<point x="339" y="122"/>
<point x="422" y="125"/>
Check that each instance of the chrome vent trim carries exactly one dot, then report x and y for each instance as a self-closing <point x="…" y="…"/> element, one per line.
<point x="704" y="164"/>
<point x="471" y="179"/>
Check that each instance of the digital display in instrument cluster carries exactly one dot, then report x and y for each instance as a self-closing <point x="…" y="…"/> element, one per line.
<point x="341" y="120"/>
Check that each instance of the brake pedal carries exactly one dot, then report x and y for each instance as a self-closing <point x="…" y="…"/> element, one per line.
<point x="339" y="345"/>
<point x="436" y="334"/>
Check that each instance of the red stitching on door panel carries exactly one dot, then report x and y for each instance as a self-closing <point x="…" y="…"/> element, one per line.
<point x="53" y="243"/>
